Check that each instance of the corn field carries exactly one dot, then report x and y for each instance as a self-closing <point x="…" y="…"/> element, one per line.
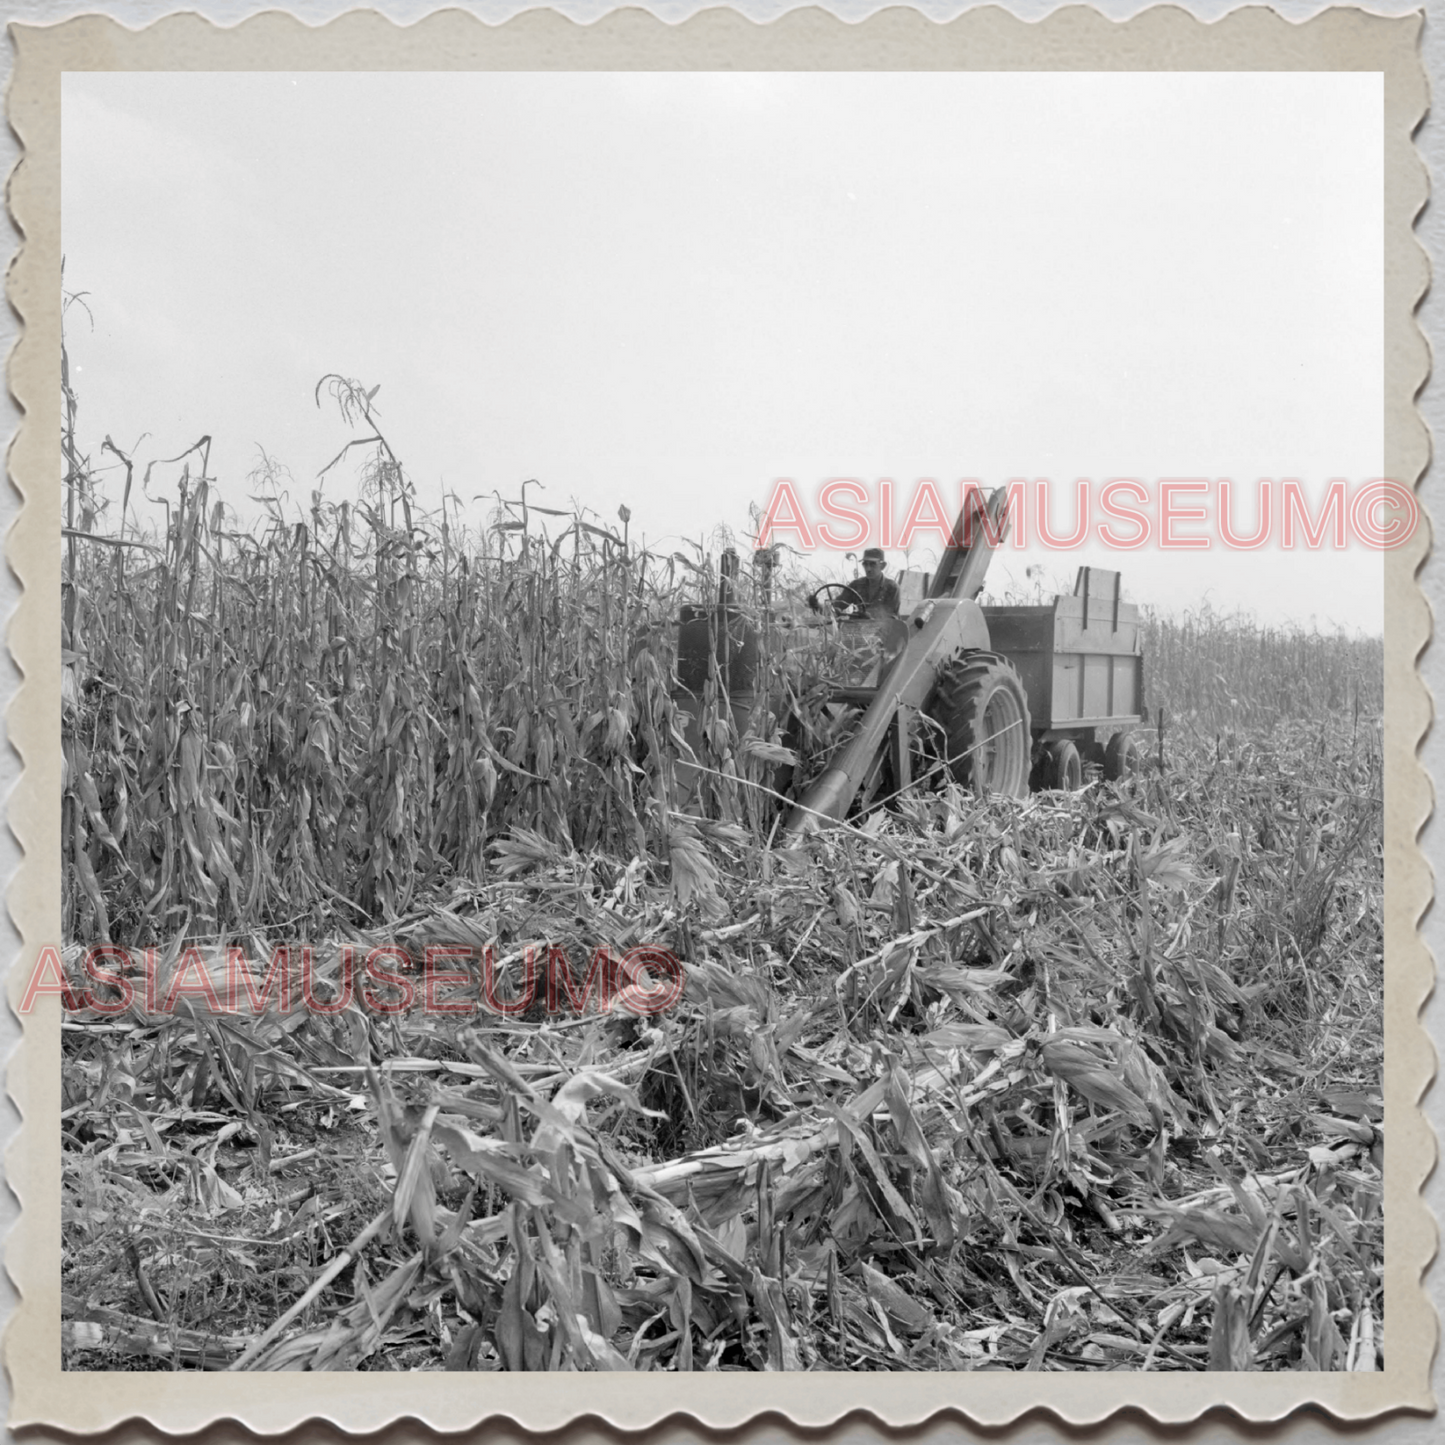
<point x="1087" y="1082"/>
<point x="1227" y="673"/>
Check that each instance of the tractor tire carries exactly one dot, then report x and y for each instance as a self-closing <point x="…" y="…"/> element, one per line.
<point x="1121" y="757"/>
<point x="1064" y="768"/>
<point x="786" y="774"/>
<point x="980" y="705"/>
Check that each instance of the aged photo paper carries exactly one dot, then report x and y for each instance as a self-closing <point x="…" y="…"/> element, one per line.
<point x="696" y="703"/>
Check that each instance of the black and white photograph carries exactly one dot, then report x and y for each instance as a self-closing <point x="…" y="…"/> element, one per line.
<point x="723" y="722"/>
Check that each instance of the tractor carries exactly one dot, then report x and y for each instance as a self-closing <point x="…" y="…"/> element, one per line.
<point x="1001" y="699"/>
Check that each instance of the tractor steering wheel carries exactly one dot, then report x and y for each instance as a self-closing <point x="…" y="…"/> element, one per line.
<point x="847" y="604"/>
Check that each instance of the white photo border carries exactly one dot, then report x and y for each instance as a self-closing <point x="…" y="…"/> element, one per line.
<point x="988" y="39"/>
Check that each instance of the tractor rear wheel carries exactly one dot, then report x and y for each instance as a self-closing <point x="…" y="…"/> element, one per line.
<point x="1121" y="757"/>
<point x="980" y="705"/>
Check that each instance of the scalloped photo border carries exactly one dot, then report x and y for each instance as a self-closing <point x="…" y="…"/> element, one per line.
<point x="1165" y="38"/>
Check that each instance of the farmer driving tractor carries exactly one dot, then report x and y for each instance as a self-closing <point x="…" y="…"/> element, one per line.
<point x="872" y="594"/>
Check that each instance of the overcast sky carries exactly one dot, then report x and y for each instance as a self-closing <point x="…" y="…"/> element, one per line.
<point x="670" y="291"/>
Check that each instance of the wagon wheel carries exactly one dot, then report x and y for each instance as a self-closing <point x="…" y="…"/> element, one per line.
<point x="846" y="604"/>
<point x="1061" y="766"/>
<point x="980" y="704"/>
<point x="1121" y="757"/>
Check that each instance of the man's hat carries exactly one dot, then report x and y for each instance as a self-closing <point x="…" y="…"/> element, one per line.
<point x="873" y="554"/>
